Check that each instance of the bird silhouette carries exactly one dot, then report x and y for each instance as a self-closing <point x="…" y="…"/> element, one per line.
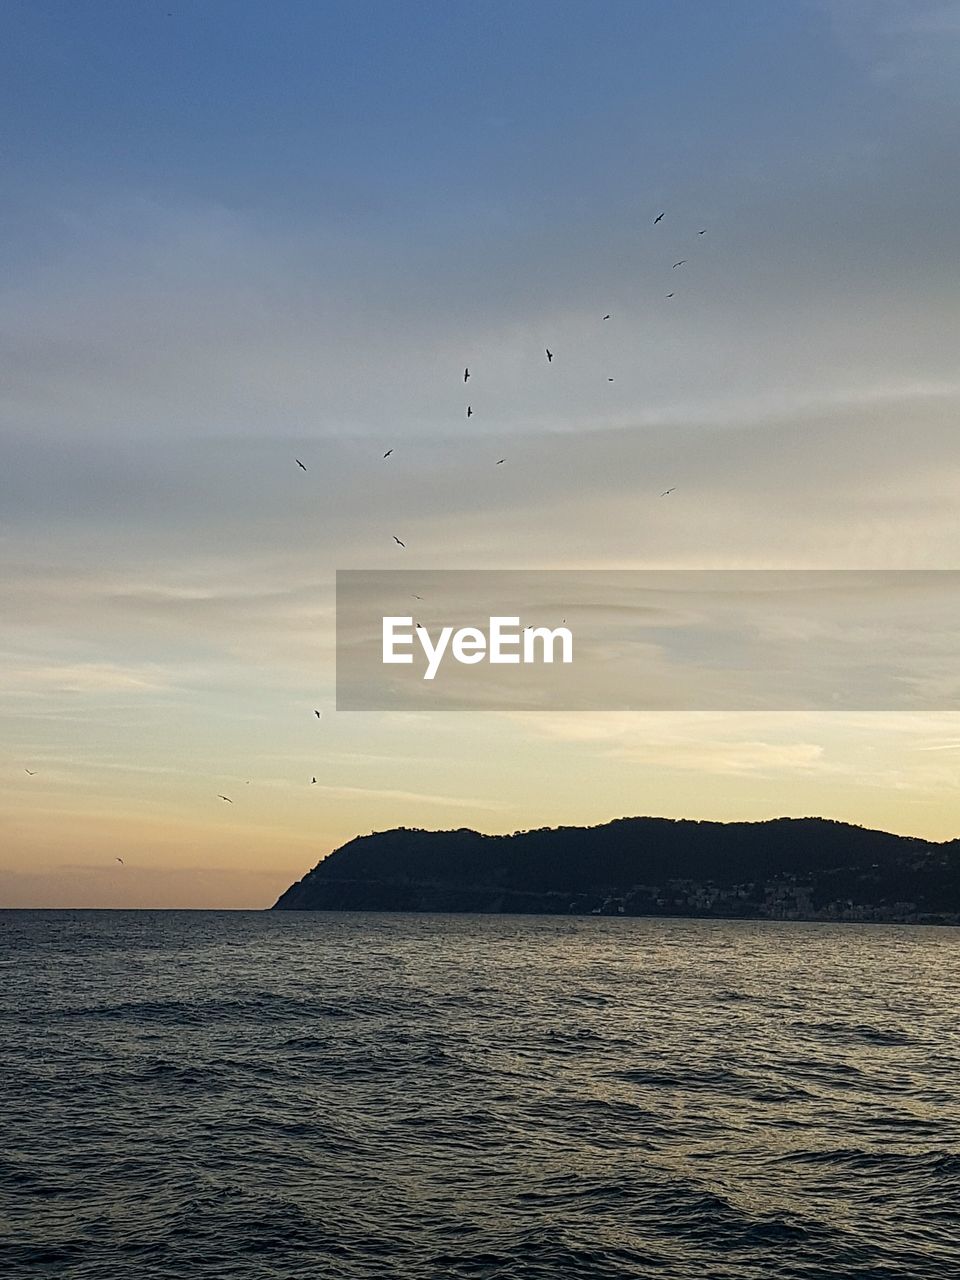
<point x="657" y="218"/>
<point x="227" y="798"/>
<point x="317" y="714"/>
<point x="666" y="491"/>
<point x="466" y="374"/>
<point x="300" y="464"/>
<point x="312" y="781"/>
<point x="388" y="453"/>
<point x="609" y="379"/>
<point x="469" y="411"/>
<point x="397" y="540"/>
<point x="669" y="295"/>
<point x="549" y="355"/>
<point x="32" y="772"/>
<point x="606" y="317"/>
<point x="703" y="232"/>
<point x="418" y="597"/>
<point x="120" y="860"/>
<point x="680" y="263"/>
<point x="501" y="460"/>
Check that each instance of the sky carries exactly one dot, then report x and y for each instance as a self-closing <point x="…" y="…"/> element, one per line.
<point x="237" y="234"/>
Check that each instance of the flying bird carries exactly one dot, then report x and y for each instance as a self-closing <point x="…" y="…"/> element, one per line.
<point x="388" y="453"/>
<point x="609" y="379"/>
<point x="666" y="491"/>
<point x="549" y="354"/>
<point x="300" y="464"/>
<point x="227" y="798"/>
<point x="397" y="540"/>
<point x="669" y="295"/>
<point x="606" y="317"/>
<point x="317" y="714"/>
<point x="657" y="218"/>
<point x="469" y="411"/>
<point x="466" y="374"/>
<point x="312" y="781"/>
<point x="501" y="460"/>
<point x="32" y="772"/>
<point x="703" y="232"/>
<point x="680" y="263"/>
<point x="120" y="860"/>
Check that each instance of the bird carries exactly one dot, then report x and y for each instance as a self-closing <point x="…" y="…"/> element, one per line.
<point x="549" y="354"/>
<point x="300" y="464"/>
<point x="388" y="453"/>
<point x="317" y="714"/>
<point x="227" y="798"/>
<point x="606" y="317"/>
<point x="469" y="411"/>
<point x="466" y="374"/>
<point x="501" y="460"/>
<point x="609" y="379"/>
<point x="120" y="860"/>
<point x="418" y="597"/>
<point x="397" y="540"/>
<point x="31" y="772"/>
<point x="312" y="781"/>
<point x="703" y="232"/>
<point x="669" y="295"/>
<point x="657" y="218"/>
<point x="680" y="263"/>
<point x="666" y="491"/>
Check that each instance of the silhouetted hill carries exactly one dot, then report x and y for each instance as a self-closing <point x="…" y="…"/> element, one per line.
<point x="787" y="868"/>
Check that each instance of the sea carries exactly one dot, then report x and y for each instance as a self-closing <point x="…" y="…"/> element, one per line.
<point x="256" y="1095"/>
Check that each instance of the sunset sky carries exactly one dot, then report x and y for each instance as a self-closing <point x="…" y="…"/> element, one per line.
<point x="235" y="234"/>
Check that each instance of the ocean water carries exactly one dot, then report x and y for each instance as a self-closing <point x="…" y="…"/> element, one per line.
<point x="244" y="1096"/>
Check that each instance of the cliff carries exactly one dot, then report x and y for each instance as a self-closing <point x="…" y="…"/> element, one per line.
<point x="787" y="868"/>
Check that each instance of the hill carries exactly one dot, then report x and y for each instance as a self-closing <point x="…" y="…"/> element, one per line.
<point x="786" y="868"/>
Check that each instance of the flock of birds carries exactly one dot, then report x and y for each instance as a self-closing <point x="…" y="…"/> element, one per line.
<point x="500" y="461"/>
<point x="682" y="262"/>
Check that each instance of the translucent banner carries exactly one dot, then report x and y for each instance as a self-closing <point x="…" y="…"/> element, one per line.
<point x="646" y="640"/>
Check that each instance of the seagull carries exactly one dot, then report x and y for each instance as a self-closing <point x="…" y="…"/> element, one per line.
<point x="703" y="232"/>
<point x="666" y="491"/>
<point x="317" y="714"/>
<point x="32" y="772"/>
<point x="501" y="460"/>
<point x="227" y="798"/>
<point x="657" y="218"/>
<point x="469" y="411"/>
<point x="549" y="354"/>
<point x="680" y="263"/>
<point x="669" y="295"/>
<point x="120" y="860"/>
<point x="397" y="540"/>
<point x="312" y="781"/>
<point x="606" y="317"/>
<point x="300" y="464"/>
<point x="466" y="374"/>
<point x="388" y="453"/>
